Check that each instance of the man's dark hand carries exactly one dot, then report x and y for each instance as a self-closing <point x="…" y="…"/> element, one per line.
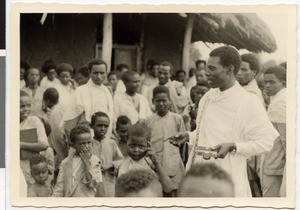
<point x="224" y="149"/>
<point x="179" y="139"/>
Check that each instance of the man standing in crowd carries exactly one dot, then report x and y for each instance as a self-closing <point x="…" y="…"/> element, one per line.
<point x="230" y="120"/>
<point x="120" y="70"/>
<point x="246" y="77"/>
<point x="89" y="98"/>
<point x="178" y="93"/>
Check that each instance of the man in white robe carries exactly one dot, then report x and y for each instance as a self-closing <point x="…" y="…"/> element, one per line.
<point x="230" y="120"/>
<point x="151" y="79"/>
<point x="89" y="98"/>
<point x="120" y="70"/>
<point x="132" y="104"/>
<point x="178" y="94"/>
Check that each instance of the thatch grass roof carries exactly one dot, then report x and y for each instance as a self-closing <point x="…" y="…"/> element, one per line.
<point x="243" y="31"/>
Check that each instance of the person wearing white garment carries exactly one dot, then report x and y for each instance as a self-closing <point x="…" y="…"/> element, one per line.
<point x="89" y="98"/>
<point x="274" y="161"/>
<point x="120" y="70"/>
<point x="178" y="94"/>
<point x="132" y="104"/>
<point x="50" y="80"/>
<point x="230" y="121"/>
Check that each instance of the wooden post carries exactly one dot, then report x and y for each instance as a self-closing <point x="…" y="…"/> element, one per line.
<point x="107" y="39"/>
<point x="187" y="42"/>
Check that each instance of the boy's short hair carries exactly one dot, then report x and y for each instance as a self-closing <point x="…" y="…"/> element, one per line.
<point x="49" y="64"/>
<point x="97" y="61"/>
<point x="208" y="170"/>
<point x="160" y="89"/>
<point x="24" y="65"/>
<point x="278" y="71"/>
<point x="139" y="130"/>
<point x="252" y="60"/>
<point x="122" y="66"/>
<point x="77" y="131"/>
<point x="36" y="159"/>
<point x="52" y="95"/>
<point x="84" y="70"/>
<point x="180" y="71"/>
<point x="23" y="93"/>
<point x="98" y="114"/>
<point x="228" y="56"/>
<point x="198" y="62"/>
<point x="111" y="74"/>
<point x="122" y="120"/>
<point x="127" y="75"/>
<point x="134" y="181"/>
<point x="166" y="63"/>
<point x="64" y="67"/>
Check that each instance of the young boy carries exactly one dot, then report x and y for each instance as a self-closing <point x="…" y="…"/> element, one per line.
<point x="206" y="180"/>
<point x="122" y="125"/>
<point x="107" y="150"/>
<point x="80" y="173"/>
<point x="67" y="85"/>
<point x="163" y="125"/>
<point x="50" y="80"/>
<point x="35" y="91"/>
<point x="274" y="162"/>
<point x="82" y="75"/>
<point x="30" y="122"/>
<point x="113" y="80"/>
<point x="39" y="171"/>
<point x="138" y="183"/>
<point x="54" y="113"/>
<point x="142" y="156"/>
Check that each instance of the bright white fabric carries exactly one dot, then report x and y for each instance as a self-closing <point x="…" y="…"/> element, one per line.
<point x="121" y="88"/>
<point x="46" y="83"/>
<point x="253" y="88"/>
<point x="147" y="83"/>
<point x="124" y="105"/>
<point x="65" y="93"/>
<point x="277" y="107"/>
<point x="22" y="84"/>
<point x="88" y="99"/>
<point x="234" y="115"/>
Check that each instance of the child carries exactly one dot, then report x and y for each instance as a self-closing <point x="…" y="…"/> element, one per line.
<point x="122" y="125"/>
<point x="39" y="171"/>
<point x="54" y="113"/>
<point x="138" y="183"/>
<point x="80" y="173"/>
<point x="142" y="156"/>
<point x="50" y="79"/>
<point x="206" y="180"/>
<point x="113" y="80"/>
<point x="275" y="160"/>
<point x="35" y="91"/>
<point x="67" y="85"/>
<point x="165" y="124"/>
<point x="29" y="122"/>
<point x="83" y="75"/>
<point x="107" y="150"/>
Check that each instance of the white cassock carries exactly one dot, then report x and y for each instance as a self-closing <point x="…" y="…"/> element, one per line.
<point x="88" y="99"/>
<point x="233" y="115"/>
<point x="120" y="88"/>
<point x="134" y="107"/>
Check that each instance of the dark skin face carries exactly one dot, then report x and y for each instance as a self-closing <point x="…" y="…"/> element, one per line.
<point x="181" y="77"/>
<point x="197" y="93"/>
<point x="136" y="147"/>
<point x="40" y="172"/>
<point x="98" y="74"/>
<point x="132" y="85"/>
<point x="164" y="74"/>
<point x="81" y="80"/>
<point x="100" y="127"/>
<point x="65" y="77"/>
<point x="245" y="74"/>
<point x="22" y="72"/>
<point x="33" y="76"/>
<point x="162" y="103"/>
<point x="123" y="131"/>
<point x="51" y="74"/>
<point x="83" y="142"/>
<point x="25" y="107"/>
<point x="272" y="84"/>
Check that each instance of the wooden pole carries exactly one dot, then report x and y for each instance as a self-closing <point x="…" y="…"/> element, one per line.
<point x="107" y="39"/>
<point x="187" y="42"/>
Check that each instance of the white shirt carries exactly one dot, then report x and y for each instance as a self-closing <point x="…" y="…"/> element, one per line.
<point x="234" y="115"/>
<point x="277" y="107"/>
<point x="46" y="83"/>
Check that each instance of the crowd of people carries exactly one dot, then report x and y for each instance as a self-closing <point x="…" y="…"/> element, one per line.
<point x="211" y="133"/>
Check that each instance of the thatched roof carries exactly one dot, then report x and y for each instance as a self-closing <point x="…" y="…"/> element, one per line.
<point x="243" y="31"/>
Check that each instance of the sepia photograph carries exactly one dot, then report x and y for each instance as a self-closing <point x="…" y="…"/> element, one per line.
<point x="175" y="104"/>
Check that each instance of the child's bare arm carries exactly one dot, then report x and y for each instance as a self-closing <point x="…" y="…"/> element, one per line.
<point x="167" y="184"/>
<point x="34" y="147"/>
<point x="93" y="174"/>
